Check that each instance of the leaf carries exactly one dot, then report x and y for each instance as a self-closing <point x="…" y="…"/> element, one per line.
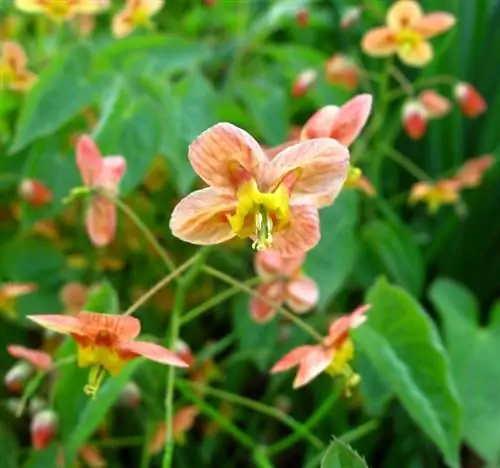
<point x="103" y="298"/>
<point x="341" y="455"/>
<point x="402" y="344"/>
<point x="9" y="447"/>
<point x="332" y="260"/>
<point x="43" y="459"/>
<point x="474" y="352"/>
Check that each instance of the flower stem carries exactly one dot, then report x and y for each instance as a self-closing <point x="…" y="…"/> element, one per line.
<point x="406" y="163"/>
<point x="359" y="432"/>
<point x="243" y="287"/>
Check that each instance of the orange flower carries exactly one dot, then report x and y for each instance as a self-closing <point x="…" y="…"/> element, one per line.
<point x="341" y="70"/>
<point x="304" y="82"/>
<point x="471" y="173"/>
<point x="137" y="13"/>
<point x="13" y="72"/>
<point x="43" y="428"/>
<point x="38" y="359"/>
<point x="333" y="355"/>
<point x="92" y="457"/>
<point x="105" y="343"/>
<point x="406" y="33"/>
<point x="73" y="297"/>
<point x="414" y="119"/>
<point x="62" y="10"/>
<point x="35" y="192"/>
<point x="443" y="192"/>
<point x="469" y="99"/>
<point x="10" y="291"/>
<point x="435" y="105"/>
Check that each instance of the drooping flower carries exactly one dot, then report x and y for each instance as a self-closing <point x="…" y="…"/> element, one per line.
<point x="406" y="33"/>
<point x="442" y="192"/>
<point x="469" y="99"/>
<point x="62" y="10"/>
<point x="14" y="75"/>
<point x="40" y="360"/>
<point x="35" y="192"/>
<point x="283" y="281"/>
<point x="103" y="176"/>
<point x="414" y="118"/>
<point x="43" y="429"/>
<point x="435" y="105"/>
<point x="9" y="292"/>
<point x="136" y="14"/>
<point x="105" y="343"/>
<point x="304" y="82"/>
<point x="271" y="202"/>
<point x="350" y="17"/>
<point x="471" y="173"/>
<point x="342" y="70"/>
<point x="333" y="355"/>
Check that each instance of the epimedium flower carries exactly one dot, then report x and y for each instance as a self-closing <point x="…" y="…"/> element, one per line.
<point x="283" y="281"/>
<point x="342" y="70"/>
<point x="471" y="174"/>
<point x="406" y="33"/>
<point x="106" y="343"/>
<point x="271" y="202"/>
<point x="14" y="75"/>
<point x="469" y="99"/>
<point x="350" y="17"/>
<point x="136" y="14"/>
<point x="435" y="194"/>
<point x="102" y="176"/>
<point x="356" y="180"/>
<point x="414" y="118"/>
<point x="62" y="10"/>
<point x="40" y="360"/>
<point x="333" y="355"/>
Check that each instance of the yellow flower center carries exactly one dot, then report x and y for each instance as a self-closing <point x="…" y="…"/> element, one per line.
<point x="58" y="9"/>
<point x="260" y="214"/>
<point x="408" y="38"/>
<point x="353" y="175"/>
<point x="438" y="196"/>
<point x="140" y="17"/>
<point x="340" y="365"/>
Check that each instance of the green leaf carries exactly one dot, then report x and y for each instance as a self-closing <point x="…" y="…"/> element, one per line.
<point x="474" y="352"/>
<point x="341" y="455"/>
<point x="44" y="459"/>
<point x="103" y="298"/>
<point x="402" y="344"/>
<point x="331" y="261"/>
<point x="9" y="447"/>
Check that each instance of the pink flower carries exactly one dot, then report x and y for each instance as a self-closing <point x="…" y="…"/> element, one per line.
<point x="332" y="355"/>
<point x="38" y="359"/>
<point x="341" y="70"/>
<point x="414" y="119"/>
<point x="471" y="174"/>
<point x="271" y="202"/>
<point x="304" y="82"/>
<point x="283" y="282"/>
<point x="102" y="175"/>
<point x="435" y="105"/>
<point x="10" y="291"/>
<point x="469" y="99"/>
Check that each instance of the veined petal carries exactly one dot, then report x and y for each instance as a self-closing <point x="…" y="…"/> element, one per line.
<point x="417" y="56"/>
<point x="122" y="24"/>
<point x="351" y="119"/>
<point x="29" y="6"/>
<point x="224" y="145"/>
<point x="264" y="310"/>
<point x="271" y="153"/>
<point x="301" y="234"/>
<point x="59" y="323"/>
<point x="340" y="327"/>
<point x="320" y="124"/>
<point x="151" y="351"/>
<point x="315" y="362"/>
<point x="40" y="359"/>
<point x="14" y="55"/>
<point x="119" y="328"/>
<point x="113" y="170"/>
<point x="88" y="160"/>
<point x="101" y="220"/>
<point x="271" y="263"/>
<point x="379" y="42"/>
<point x="434" y="23"/>
<point x="302" y="294"/>
<point x="200" y="218"/>
<point x="291" y="359"/>
<point x="322" y="164"/>
<point x="403" y="14"/>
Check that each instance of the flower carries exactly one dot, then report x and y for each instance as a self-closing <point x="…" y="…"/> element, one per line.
<point x="130" y="396"/>
<point x="40" y="360"/>
<point x="414" y="118"/>
<point x="442" y="192"/>
<point x="35" y="192"/>
<point x="43" y="428"/>
<point x="469" y="99"/>
<point x="137" y="13"/>
<point x="105" y="343"/>
<point x="341" y="70"/>
<point x="350" y="17"/>
<point x="272" y="202"/>
<point x="283" y="282"/>
<point x="435" y="105"/>
<point x="304" y="82"/>
<point x="73" y="297"/>
<point x="17" y="375"/>
<point x="103" y="176"/>
<point x="471" y="173"/>
<point x="13" y="72"/>
<point x="356" y="180"/>
<point x="302" y="17"/>
<point x="10" y="291"/>
<point x="406" y="33"/>
<point x="332" y="355"/>
<point x="62" y="10"/>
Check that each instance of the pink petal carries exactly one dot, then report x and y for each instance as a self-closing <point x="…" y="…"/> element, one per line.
<point x="322" y="164"/>
<point x="113" y="170"/>
<point x="17" y="289"/>
<point x="271" y="153"/>
<point x="201" y="217"/>
<point x="302" y="294"/>
<point x="272" y="263"/>
<point x="119" y="328"/>
<point x="314" y="363"/>
<point x="101" y="220"/>
<point x="151" y="351"/>
<point x="291" y="359"/>
<point x="436" y="105"/>
<point x="88" y="160"/>
<point x="351" y="119"/>
<point x="435" y="23"/>
<point x="341" y="326"/>
<point x="379" y="42"/>
<point x="224" y="145"/>
<point x="59" y="323"/>
<point x="301" y="234"/>
<point x="264" y="310"/>
<point x="320" y="124"/>
<point x="39" y="359"/>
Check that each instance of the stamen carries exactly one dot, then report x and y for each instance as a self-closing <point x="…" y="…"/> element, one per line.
<point x="96" y="376"/>
<point x="263" y="230"/>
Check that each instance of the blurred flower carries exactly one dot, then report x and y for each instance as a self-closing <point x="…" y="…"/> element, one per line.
<point x="84" y="24"/>
<point x="302" y="17"/>
<point x="442" y="192"/>
<point x="406" y="33"/>
<point x="304" y="82"/>
<point x="341" y="70"/>
<point x="332" y="355"/>
<point x="92" y="457"/>
<point x="130" y="396"/>
<point x="414" y="119"/>
<point x="136" y="14"/>
<point x="35" y="192"/>
<point x="13" y="73"/>
<point x="272" y="202"/>
<point x="350" y="17"/>
<point x="469" y="99"/>
<point x="283" y="282"/>
<point x="470" y="175"/>
<point x="17" y="376"/>
<point x="40" y="360"/>
<point x="102" y="175"/>
<point x="73" y="297"/>
<point x="8" y="294"/>
<point x="105" y="343"/>
<point x="10" y="27"/>
<point x="43" y="428"/>
<point x="435" y="105"/>
<point x="356" y="180"/>
<point x="62" y="10"/>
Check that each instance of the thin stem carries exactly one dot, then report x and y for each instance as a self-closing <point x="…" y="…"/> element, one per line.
<point x="161" y="284"/>
<point x="238" y="284"/>
<point x="120" y="442"/>
<point x="399" y="76"/>
<point x="359" y="432"/>
<point x="406" y="163"/>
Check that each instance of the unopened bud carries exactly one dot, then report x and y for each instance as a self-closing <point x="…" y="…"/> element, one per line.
<point x="302" y="17"/>
<point x="414" y="119"/>
<point x="304" y="82"/>
<point x="35" y="192"/>
<point x="469" y="99"/>
<point x="43" y="429"/>
<point x="350" y="17"/>
<point x="130" y="395"/>
<point x="17" y="376"/>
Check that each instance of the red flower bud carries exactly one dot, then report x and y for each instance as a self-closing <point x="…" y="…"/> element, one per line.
<point x="43" y="429"/>
<point x="304" y="82"/>
<point x="350" y="17"/>
<point x="131" y="395"/>
<point x="414" y="119"/>
<point x="34" y="192"/>
<point x="17" y="376"/>
<point x="469" y="99"/>
<point x="302" y="17"/>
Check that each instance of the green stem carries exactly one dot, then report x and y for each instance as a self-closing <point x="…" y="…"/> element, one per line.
<point x="121" y="442"/>
<point x="406" y="163"/>
<point x="359" y="432"/>
<point x="289" y="315"/>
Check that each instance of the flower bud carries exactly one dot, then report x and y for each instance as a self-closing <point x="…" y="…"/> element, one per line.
<point x="341" y="70"/>
<point x="350" y="17"/>
<point x="304" y="82"/>
<point x="436" y="106"/>
<point x="302" y="17"/>
<point x="35" y="192"/>
<point x="469" y="99"/>
<point x="73" y="296"/>
<point x="131" y="395"/>
<point x="43" y="429"/>
<point x="414" y="119"/>
<point x="17" y="376"/>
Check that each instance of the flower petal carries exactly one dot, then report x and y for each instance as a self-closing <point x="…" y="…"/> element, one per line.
<point x="379" y="42"/>
<point x="291" y="359"/>
<point x="271" y="263"/>
<point x="153" y="6"/>
<point x="29" y="6"/>
<point x="404" y="14"/>
<point x="90" y="7"/>
<point x="315" y="362"/>
<point x="121" y="328"/>
<point x="151" y="351"/>
<point x="14" y="55"/>
<point x="122" y="24"/>
<point x="113" y="170"/>
<point x="200" y="218"/>
<point x="351" y="119"/>
<point x="271" y="153"/>
<point x="302" y="234"/>
<point x="340" y="327"/>
<point x="320" y="124"/>
<point x="88" y="160"/>
<point x="213" y="152"/>
<point x="39" y="359"/>
<point x="302" y="294"/>
<point x="59" y="323"/>
<point x="435" y="105"/>
<point x="17" y="289"/>
<point x="434" y="23"/>
<point x="101" y="220"/>
<point x="322" y="165"/>
<point x="264" y="310"/>
<point x="416" y="56"/>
